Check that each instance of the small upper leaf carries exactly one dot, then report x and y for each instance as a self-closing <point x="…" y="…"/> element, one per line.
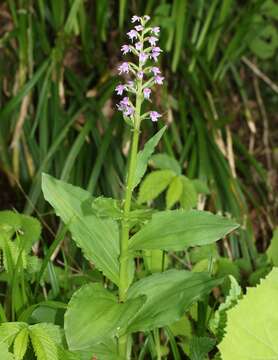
<point x="144" y="156"/>
<point x="154" y="184"/>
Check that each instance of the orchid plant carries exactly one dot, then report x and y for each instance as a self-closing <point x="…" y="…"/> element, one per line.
<point x="112" y="233"/>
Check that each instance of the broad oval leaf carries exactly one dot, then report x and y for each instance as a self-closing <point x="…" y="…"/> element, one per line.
<point x="252" y="329"/>
<point x="168" y="295"/>
<point x="98" y="238"/>
<point x="95" y="315"/>
<point x="174" y="192"/>
<point x="154" y="184"/>
<point x="177" y="229"/>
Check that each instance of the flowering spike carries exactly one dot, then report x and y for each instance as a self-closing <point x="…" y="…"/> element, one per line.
<point x="144" y="74"/>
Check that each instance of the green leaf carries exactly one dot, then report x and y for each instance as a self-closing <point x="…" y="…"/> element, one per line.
<point x="45" y="339"/>
<point x="189" y="197"/>
<point x="21" y="343"/>
<point x="177" y="230"/>
<point x="154" y="184"/>
<point x="94" y="314"/>
<point x="27" y="228"/>
<point x="252" y="329"/>
<point x="145" y="154"/>
<point x="201" y="186"/>
<point x="9" y="330"/>
<point x="266" y="43"/>
<point x="98" y="238"/>
<point x="168" y="295"/>
<point x="4" y="351"/>
<point x="199" y="347"/>
<point x="218" y="322"/>
<point x="174" y="192"/>
<point x="272" y="251"/>
<point x="166" y="162"/>
<point x="106" y="207"/>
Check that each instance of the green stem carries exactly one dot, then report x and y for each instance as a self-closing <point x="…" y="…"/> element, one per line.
<point x="124" y="259"/>
<point x="157" y="344"/>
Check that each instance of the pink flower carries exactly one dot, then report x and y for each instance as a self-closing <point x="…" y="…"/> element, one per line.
<point x="140" y="75"/>
<point x="138" y="46"/>
<point x="120" y="89"/>
<point x="135" y="18"/>
<point x="159" y="80"/>
<point x="155" y="70"/>
<point x="155" y="53"/>
<point x="126" y="107"/>
<point x="154" y="115"/>
<point x="139" y="27"/>
<point x="143" y="57"/>
<point x="132" y="34"/>
<point x="155" y="30"/>
<point x="123" y="68"/>
<point x="147" y="93"/>
<point x="125" y="49"/>
<point x="152" y="40"/>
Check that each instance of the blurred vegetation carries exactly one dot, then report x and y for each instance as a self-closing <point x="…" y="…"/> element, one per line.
<point x="58" y="62"/>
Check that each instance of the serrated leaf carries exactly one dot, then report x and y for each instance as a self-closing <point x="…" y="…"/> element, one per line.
<point x="28" y="228"/>
<point x="177" y="230"/>
<point x="168" y="295"/>
<point x="154" y="184"/>
<point x="252" y="325"/>
<point x="166" y="162"/>
<point x="218" y="322"/>
<point x="98" y="238"/>
<point x="45" y="340"/>
<point x="21" y="344"/>
<point x="189" y="197"/>
<point x="4" y="352"/>
<point x="174" y="192"/>
<point x="145" y="154"/>
<point x="199" y="347"/>
<point x="102" y="316"/>
<point x="9" y="330"/>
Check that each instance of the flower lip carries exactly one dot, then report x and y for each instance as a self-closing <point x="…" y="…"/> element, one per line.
<point x="147" y="93"/>
<point x="154" y="115"/>
<point x="158" y="79"/>
<point x="132" y="34"/>
<point x="155" y="30"/>
<point x="139" y="27"/>
<point x="120" y="89"/>
<point x="125" y="49"/>
<point x="135" y="18"/>
<point x="152" y="40"/>
<point x="155" y="70"/>
<point x="123" y="68"/>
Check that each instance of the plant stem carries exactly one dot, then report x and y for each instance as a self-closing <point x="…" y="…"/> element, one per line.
<point x="124" y="259"/>
<point x="157" y="344"/>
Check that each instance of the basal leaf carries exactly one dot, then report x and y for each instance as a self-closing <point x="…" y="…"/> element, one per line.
<point x="168" y="295"/>
<point x="145" y="154"/>
<point x="154" y="184"/>
<point x="252" y="325"/>
<point x="95" y="315"/>
<point x="178" y="229"/>
<point x="98" y="238"/>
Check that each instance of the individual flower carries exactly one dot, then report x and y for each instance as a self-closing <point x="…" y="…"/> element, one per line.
<point x="135" y="18"/>
<point x="128" y="111"/>
<point x="120" y="89"/>
<point x="139" y="27"/>
<point x="155" y="70"/>
<point x="140" y="74"/>
<point x="154" y="115"/>
<point x="155" y="53"/>
<point x="155" y="30"/>
<point x="158" y="80"/>
<point x="147" y="93"/>
<point x="152" y="40"/>
<point x="132" y="34"/>
<point x="143" y="57"/>
<point x="125" y="49"/>
<point x="138" y="45"/>
<point x="123" y="68"/>
<point x="126" y="107"/>
<point x="146" y="17"/>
